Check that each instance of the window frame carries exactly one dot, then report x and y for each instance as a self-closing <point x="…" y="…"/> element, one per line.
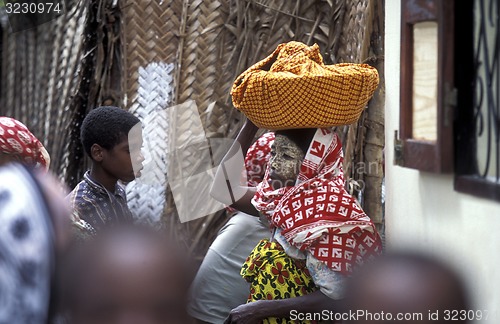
<point x="432" y="156"/>
<point x="467" y="179"/>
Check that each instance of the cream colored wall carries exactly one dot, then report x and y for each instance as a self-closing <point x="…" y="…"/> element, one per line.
<point x="422" y="209"/>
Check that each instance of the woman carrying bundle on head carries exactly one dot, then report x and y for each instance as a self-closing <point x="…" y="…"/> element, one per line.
<point x="319" y="233"/>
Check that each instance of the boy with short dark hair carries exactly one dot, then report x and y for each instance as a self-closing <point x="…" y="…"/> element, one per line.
<point x="99" y="200"/>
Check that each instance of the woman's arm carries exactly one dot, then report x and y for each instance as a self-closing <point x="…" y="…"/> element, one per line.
<point x="255" y="312"/>
<point x="227" y="187"/>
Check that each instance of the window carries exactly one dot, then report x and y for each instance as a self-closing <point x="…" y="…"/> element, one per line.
<point x="450" y="112"/>
<point x="478" y="112"/>
<point x="425" y="141"/>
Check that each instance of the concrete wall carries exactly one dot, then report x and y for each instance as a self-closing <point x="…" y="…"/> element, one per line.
<point x="423" y="211"/>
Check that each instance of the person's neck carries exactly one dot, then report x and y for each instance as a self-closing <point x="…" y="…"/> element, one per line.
<point x="104" y="178"/>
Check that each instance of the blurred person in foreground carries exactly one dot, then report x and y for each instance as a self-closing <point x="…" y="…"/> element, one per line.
<point x="409" y="283"/>
<point x="34" y="231"/>
<point x="126" y="274"/>
<point x="99" y="200"/>
<point x="18" y="144"/>
<point x="218" y="286"/>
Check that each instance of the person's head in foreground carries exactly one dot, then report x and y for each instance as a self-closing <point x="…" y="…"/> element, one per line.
<point x="18" y="144"/>
<point x="105" y="136"/>
<point x="411" y="284"/>
<point x="34" y="231"/>
<point x="126" y="274"/>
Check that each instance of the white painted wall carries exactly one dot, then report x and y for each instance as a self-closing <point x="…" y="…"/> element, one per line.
<point x="422" y="209"/>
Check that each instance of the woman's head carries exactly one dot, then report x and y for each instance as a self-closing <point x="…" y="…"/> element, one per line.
<point x="287" y="154"/>
<point x="127" y="275"/>
<point x="18" y="144"/>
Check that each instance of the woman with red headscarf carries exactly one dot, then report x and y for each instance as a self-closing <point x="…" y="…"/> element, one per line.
<point x="319" y="231"/>
<point x="17" y="143"/>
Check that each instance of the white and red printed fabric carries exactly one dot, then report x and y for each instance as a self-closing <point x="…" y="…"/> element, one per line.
<point x="257" y="157"/>
<point x="256" y="160"/>
<point x="17" y="140"/>
<point x="318" y="214"/>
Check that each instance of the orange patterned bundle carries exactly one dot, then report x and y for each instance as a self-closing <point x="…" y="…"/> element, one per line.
<point x="293" y="88"/>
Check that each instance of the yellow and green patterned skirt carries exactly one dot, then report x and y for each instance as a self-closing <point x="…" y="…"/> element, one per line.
<point x="272" y="274"/>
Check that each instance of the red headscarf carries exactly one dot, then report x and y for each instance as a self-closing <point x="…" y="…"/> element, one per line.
<point x="318" y="214"/>
<point x="257" y="157"/>
<point x="256" y="161"/>
<point x="16" y="139"/>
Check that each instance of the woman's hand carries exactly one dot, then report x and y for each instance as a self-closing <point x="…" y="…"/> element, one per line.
<point x="246" y="314"/>
<point x="255" y="312"/>
<point x="227" y="187"/>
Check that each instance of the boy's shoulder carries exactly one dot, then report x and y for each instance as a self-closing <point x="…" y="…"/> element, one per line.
<point x="85" y="195"/>
<point x="75" y="189"/>
<point x="78" y="192"/>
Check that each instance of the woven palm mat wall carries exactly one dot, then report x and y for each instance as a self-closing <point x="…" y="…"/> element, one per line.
<point x="192" y="50"/>
<point x="38" y="78"/>
<point x="52" y="75"/>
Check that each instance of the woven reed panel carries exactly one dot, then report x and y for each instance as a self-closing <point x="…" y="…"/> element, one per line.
<point x="147" y="200"/>
<point x="374" y="141"/>
<point x="38" y="79"/>
<point x="199" y="64"/>
<point x="357" y="20"/>
<point x="201" y="60"/>
<point x="63" y="83"/>
<point x="151" y="33"/>
<point x="152" y="37"/>
<point x="351" y="48"/>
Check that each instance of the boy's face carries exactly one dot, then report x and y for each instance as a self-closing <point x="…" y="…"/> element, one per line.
<point x="285" y="162"/>
<point x="130" y="284"/>
<point x="124" y="161"/>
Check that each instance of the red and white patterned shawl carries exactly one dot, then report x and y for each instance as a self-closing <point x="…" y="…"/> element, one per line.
<point x="318" y="214"/>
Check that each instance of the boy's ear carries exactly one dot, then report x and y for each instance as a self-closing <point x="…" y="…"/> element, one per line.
<point x="96" y="152"/>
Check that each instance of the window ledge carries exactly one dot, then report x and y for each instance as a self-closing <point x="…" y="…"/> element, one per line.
<point x="477" y="186"/>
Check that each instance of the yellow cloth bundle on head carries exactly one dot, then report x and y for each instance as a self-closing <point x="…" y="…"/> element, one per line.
<point x="293" y="88"/>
